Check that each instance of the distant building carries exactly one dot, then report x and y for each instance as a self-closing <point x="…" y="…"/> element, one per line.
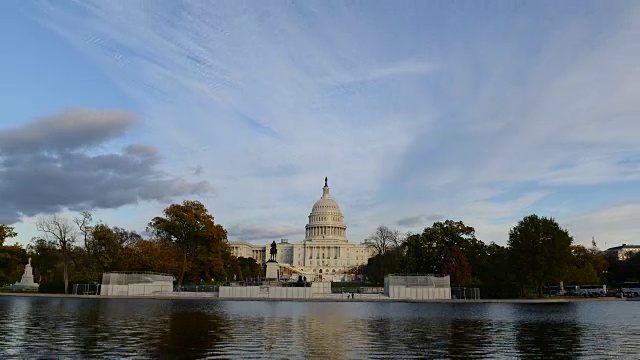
<point x="325" y="254"/>
<point x="624" y="251"/>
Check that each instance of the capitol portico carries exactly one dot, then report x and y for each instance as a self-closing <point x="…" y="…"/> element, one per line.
<point x="325" y="254"/>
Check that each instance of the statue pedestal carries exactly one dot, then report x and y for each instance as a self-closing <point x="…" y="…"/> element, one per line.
<point x="273" y="270"/>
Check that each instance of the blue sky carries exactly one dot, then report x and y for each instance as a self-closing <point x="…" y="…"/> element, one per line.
<point x="416" y="111"/>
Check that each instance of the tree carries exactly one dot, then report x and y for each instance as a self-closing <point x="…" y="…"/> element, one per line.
<point x="12" y="260"/>
<point x="104" y="247"/>
<point x="6" y="232"/>
<point x="587" y="266"/>
<point x="151" y="255"/>
<point x="383" y="239"/>
<point x="380" y="243"/>
<point x="457" y="266"/>
<point x="249" y="268"/>
<point x="84" y="226"/>
<point x="192" y="230"/>
<point x="427" y="252"/>
<point x="61" y="232"/>
<point x="44" y="259"/>
<point x="495" y="276"/>
<point x="540" y="249"/>
<point x="126" y="238"/>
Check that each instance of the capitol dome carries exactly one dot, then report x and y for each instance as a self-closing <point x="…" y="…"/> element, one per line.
<point x="326" y="221"/>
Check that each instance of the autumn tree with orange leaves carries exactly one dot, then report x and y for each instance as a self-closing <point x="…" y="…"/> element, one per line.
<point x="202" y="244"/>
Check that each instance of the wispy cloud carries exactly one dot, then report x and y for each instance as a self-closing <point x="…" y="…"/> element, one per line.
<point x="418" y="221"/>
<point x="261" y="232"/>
<point x="425" y="110"/>
<point x="396" y="71"/>
<point x="610" y="226"/>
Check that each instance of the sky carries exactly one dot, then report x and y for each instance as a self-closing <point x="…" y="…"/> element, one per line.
<point x="417" y="112"/>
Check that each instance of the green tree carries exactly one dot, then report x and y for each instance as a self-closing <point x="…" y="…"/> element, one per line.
<point x="6" y="232"/>
<point x="428" y="252"/>
<point x="12" y="260"/>
<point x="541" y="251"/>
<point x="380" y="265"/>
<point x="495" y="276"/>
<point x="587" y="266"/>
<point x="104" y="249"/>
<point x="45" y="259"/>
<point x="249" y="268"/>
<point x="203" y="243"/>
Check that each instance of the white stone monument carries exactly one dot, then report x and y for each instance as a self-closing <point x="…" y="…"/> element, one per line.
<point x="26" y="283"/>
<point x="273" y="270"/>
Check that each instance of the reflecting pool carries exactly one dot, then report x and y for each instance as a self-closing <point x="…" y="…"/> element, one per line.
<point x="120" y="328"/>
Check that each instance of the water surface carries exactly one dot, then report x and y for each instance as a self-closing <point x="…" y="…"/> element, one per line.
<point x="119" y="328"/>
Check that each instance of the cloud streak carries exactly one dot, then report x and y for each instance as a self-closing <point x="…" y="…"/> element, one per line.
<point x="482" y="116"/>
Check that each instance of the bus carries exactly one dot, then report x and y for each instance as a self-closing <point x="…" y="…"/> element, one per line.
<point x="626" y="289"/>
<point x="592" y="290"/>
<point x="575" y="290"/>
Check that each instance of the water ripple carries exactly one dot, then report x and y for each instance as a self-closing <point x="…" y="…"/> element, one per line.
<point x="138" y="329"/>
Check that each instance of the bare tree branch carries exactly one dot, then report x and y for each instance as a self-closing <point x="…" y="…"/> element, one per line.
<point x="61" y="232"/>
<point x="384" y="239"/>
<point x="85" y="228"/>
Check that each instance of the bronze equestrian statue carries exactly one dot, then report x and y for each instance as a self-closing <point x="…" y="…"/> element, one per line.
<point x="273" y="251"/>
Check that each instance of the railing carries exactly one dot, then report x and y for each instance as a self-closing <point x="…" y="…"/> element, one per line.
<point x="465" y="293"/>
<point x="417" y="280"/>
<point x="127" y="278"/>
<point x="197" y="288"/>
<point x="86" y="289"/>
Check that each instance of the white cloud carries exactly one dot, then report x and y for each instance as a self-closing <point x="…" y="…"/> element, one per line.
<point x="269" y="102"/>
<point x="611" y="226"/>
<point x="389" y="72"/>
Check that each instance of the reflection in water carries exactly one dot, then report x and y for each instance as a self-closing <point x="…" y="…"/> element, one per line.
<point x="190" y="333"/>
<point x="468" y="338"/>
<point x="548" y="331"/>
<point x="90" y="328"/>
<point x="548" y="340"/>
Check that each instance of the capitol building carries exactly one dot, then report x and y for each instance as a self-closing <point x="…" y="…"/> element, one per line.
<point x="325" y="254"/>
